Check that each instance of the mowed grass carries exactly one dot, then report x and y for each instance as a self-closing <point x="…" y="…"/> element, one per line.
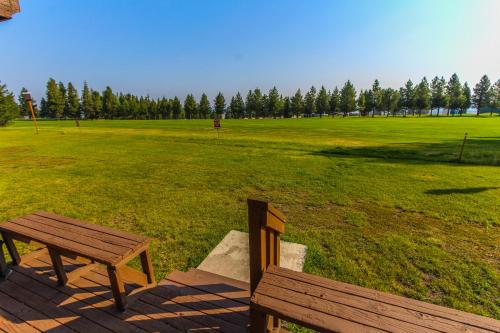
<point x="379" y="202"/>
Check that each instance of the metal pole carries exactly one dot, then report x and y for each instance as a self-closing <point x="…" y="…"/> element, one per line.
<point x="462" y="149"/>
<point x="30" y="105"/>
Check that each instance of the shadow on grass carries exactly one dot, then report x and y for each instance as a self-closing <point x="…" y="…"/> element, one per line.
<point x="469" y="190"/>
<point x="477" y="151"/>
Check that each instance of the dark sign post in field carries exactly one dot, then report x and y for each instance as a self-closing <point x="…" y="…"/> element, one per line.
<point x="217" y="126"/>
<point x="29" y="100"/>
<point x="462" y="148"/>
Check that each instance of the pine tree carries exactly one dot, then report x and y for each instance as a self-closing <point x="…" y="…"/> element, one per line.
<point x="219" y="105"/>
<point x="297" y="106"/>
<point x="23" y="105"/>
<point x="322" y="102"/>
<point x="62" y="101"/>
<point x="54" y="100"/>
<point x="494" y="97"/>
<point x="467" y="101"/>
<point x="408" y="97"/>
<point x="347" y="98"/>
<point x="287" y="107"/>
<point x="237" y="106"/>
<point x="86" y="106"/>
<point x="72" y="108"/>
<point x="481" y="97"/>
<point x="369" y="102"/>
<point x="422" y="96"/>
<point x="438" y="97"/>
<point x="455" y="94"/>
<point x="395" y="104"/>
<point x="361" y="102"/>
<point x="334" y="101"/>
<point x="377" y="95"/>
<point x="97" y="104"/>
<point x="109" y="104"/>
<point x="310" y="101"/>
<point x="273" y="103"/>
<point x="9" y="110"/>
<point x="190" y="107"/>
<point x="387" y="95"/>
<point x="176" y="108"/>
<point x="204" y="107"/>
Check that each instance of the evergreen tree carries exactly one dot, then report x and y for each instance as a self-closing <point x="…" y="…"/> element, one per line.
<point x="369" y="102"/>
<point x="97" y="104"/>
<point x="62" y="102"/>
<point x="9" y="110"/>
<point x="322" y="102"/>
<point x="467" y="101"/>
<point x="204" y="107"/>
<point x="423" y="96"/>
<point x="377" y="95"/>
<point x="408" y="97"/>
<point x="395" y="104"/>
<point x="334" y="101"/>
<point x="219" y="104"/>
<point x="455" y="94"/>
<point x="310" y="101"/>
<point x="237" y="106"/>
<point x="438" y="97"/>
<point x="86" y="105"/>
<point x="23" y="105"/>
<point x="72" y="107"/>
<point x="481" y="97"/>
<point x="297" y="106"/>
<point x="54" y="100"/>
<point x="361" y="102"/>
<point x="176" y="108"/>
<point x="190" y="107"/>
<point x="287" y="107"/>
<point x="347" y="98"/>
<point x="109" y="104"/>
<point x="387" y="96"/>
<point x="273" y="103"/>
<point x="494" y="97"/>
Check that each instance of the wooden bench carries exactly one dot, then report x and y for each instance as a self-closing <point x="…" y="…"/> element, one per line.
<point x="330" y="306"/>
<point x="64" y="236"/>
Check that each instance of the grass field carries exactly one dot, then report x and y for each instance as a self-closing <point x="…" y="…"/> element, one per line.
<point x="379" y="202"/>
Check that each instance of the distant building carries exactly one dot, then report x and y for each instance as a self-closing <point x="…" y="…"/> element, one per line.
<point x="8" y="8"/>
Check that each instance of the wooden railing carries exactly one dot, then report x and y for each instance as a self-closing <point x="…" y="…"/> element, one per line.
<point x="265" y="225"/>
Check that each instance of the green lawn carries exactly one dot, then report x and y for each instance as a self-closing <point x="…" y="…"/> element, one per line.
<point x="379" y="202"/>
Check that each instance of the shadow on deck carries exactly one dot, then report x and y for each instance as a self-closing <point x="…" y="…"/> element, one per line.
<point x="193" y="301"/>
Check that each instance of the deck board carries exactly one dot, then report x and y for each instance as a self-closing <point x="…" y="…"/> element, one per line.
<point x="31" y="301"/>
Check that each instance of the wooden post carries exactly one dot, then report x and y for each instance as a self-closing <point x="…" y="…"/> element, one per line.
<point x="4" y="269"/>
<point x="55" y="257"/>
<point x="265" y="224"/>
<point x="11" y="247"/>
<point x="462" y="149"/>
<point x="117" y="287"/>
<point x="30" y="105"/>
<point x="147" y="266"/>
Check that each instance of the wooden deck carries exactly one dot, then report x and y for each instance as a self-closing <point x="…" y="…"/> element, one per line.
<point x="193" y="301"/>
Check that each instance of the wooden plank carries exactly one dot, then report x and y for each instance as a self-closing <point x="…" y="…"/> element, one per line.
<point x="12" y="324"/>
<point x="111" y="239"/>
<point x="109" y="231"/>
<point x="213" y="284"/>
<point x="16" y="288"/>
<point x="88" y="304"/>
<point x="349" y="313"/>
<point x="310" y="319"/>
<point x="34" y="318"/>
<point x="423" y="307"/>
<point x="77" y="273"/>
<point x="378" y="308"/>
<point x="73" y="237"/>
<point x="223" y="308"/>
<point x="79" y="236"/>
<point x="132" y="275"/>
<point x="274" y="223"/>
<point x="61" y="244"/>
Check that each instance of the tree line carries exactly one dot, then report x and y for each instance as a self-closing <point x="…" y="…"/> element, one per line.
<point x="445" y="97"/>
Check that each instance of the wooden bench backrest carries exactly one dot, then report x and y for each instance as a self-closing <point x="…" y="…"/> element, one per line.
<point x="265" y="225"/>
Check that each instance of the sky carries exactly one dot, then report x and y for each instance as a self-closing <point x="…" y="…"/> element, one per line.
<point x="175" y="47"/>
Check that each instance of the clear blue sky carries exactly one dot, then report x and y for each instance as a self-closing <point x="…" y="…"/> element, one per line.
<point x="166" y="48"/>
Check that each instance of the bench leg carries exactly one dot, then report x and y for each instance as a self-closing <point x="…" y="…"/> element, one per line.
<point x="55" y="257"/>
<point x="4" y="269"/>
<point x="118" y="288"/>
<point x="258" y="321"/>
<point x="147" y="266"/>
<point x="11" y="247"/>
